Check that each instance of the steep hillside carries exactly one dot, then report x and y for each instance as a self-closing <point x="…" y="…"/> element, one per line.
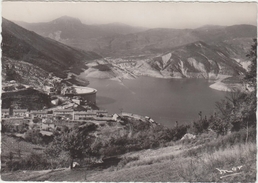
<point x="26" y="99"/>
<point x="28" y="73"/>
<point x="197" y="60"/>
<point x="22" y="45"/>
<point x="117" y="40"/>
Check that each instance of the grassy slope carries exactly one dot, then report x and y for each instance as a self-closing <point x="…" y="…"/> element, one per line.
<point x="11" y="144"/>
<point x="187" y="163"/>
<point x="183" y="161"/>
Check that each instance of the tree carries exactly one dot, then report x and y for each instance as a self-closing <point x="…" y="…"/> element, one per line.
<point x="200" y="125"/>
<point x="219" y="126"/>
<point x="76" y="142"/>
<point x="249" y="113"/>
<point x="250" y="77"/>
<point x="53" y="150"/>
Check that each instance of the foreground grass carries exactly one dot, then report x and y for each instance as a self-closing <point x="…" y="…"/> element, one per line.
<point x="204" y="167"/>
<point x="11" y="144"/>
<point x="198" y="161"/>
<point x="177" y="163"/>
<point x="157" y="172"/>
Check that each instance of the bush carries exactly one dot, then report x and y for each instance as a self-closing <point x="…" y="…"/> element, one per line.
<point x="32" y="162"/>
<point x="200" y="126"/>
<point x="179" y="132"/>
<point x="34" y="137"/>
<point x="8" y="127"/>
<point x="220" y="126"/>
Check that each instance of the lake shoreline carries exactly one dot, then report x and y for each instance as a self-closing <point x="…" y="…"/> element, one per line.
<point x="164" y="100"/>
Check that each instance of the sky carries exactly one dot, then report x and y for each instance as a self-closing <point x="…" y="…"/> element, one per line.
<point x="144" y="14"/>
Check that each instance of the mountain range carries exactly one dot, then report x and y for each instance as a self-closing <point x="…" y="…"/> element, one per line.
<point x="118" y="40"/>
<point x="66" y="45"/>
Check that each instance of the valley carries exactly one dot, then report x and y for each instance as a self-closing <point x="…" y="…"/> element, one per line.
<point x="117" y="102"/>
<point x="210" y="52"/>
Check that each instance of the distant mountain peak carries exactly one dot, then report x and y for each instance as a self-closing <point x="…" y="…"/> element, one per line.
<point x="211" y="26"/>
<point x="67" y="20"/>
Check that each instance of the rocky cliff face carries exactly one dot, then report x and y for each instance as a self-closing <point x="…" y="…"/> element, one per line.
<point x="198" y="60"/>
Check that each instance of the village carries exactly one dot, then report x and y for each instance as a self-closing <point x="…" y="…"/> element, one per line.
<point x="49" y="120"/>
<point x="70" y="106"/>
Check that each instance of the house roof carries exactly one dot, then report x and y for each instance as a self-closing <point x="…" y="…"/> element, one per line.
<point x="80" y="112"/>
<point x="85" y="112"/>
<point x="63" y="110"/>
<point x="90" y="112"/>
<point x="38" y="112"/>
<point x="5" y="110"/>
<point x="20" y="110"/>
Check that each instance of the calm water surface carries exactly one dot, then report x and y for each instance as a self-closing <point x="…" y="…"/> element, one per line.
<point x="164" y="100"/>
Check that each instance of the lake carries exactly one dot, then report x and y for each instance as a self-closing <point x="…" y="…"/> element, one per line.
<point x="164" y="100"/>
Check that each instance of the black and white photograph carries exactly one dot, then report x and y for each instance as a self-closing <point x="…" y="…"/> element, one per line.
<point x="155" y="91"/>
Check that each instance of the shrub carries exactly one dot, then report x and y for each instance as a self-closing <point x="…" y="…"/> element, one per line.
<point x="220" y="126"/>
<point x="34" y="137"/>
<point x="32" y="162"/>
<point x="200" y="126"/>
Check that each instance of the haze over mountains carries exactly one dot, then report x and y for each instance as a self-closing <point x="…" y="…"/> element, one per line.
<point x="67" y="28"/>
<point x="203" y="52"/>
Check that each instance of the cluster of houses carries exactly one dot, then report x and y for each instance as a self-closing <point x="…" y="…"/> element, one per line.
<point x="68" y="114"/>
<point x="47" y="120"/>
